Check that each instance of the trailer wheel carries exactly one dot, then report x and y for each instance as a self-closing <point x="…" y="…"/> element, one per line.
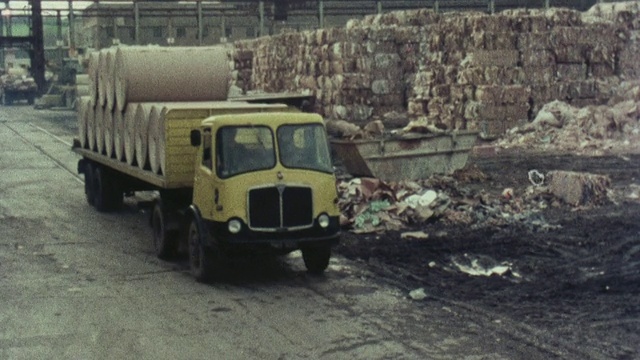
<point x="89" y="186"/>
<point x="165" y="242"/>
<point x="204" y="261"/>
<point x="107" y="195"/>
<point x="31" y="99"/>
<point x="316" y="258"/>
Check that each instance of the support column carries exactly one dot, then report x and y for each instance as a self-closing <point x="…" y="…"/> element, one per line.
<point x="261" y="15"/>
<point x="59" y="40"/>
<point x="72" y="28"/>
<point x="436" y="6"/>
<point x="200" y="25"/>
<point x="321" y="14"/>
<point x="2" y="62"/>
<point x="492" y="6"/>
<point x="379" y="6"/>
<point x="136" y="23"/>
<point x="37" y="53"/>
<point x="223" y="28"/>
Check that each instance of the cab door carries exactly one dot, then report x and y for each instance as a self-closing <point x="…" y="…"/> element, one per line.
<point x="203" y="183"/>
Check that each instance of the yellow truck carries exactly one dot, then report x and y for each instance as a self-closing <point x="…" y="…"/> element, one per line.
<point x="237" y="177"/>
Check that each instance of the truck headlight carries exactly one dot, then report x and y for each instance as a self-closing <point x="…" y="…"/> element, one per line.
<point x="234" y="226"/>
<point x="323" y="221"/>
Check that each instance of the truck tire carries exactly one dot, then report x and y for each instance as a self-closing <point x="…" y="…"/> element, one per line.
<point x="165" y="242"/>
<point x="204" y="261"/>
<point x="89" y="186"/>
<point x="316" y="258"/>
<point x="106" y="194"/>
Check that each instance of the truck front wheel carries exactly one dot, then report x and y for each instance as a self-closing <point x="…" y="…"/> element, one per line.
<point x="165" y="241"/>
<point x="316" y="258"/>
<point x="204" y="261"/>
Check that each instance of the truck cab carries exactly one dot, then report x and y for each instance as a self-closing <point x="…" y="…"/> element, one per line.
<point x="263" y="182"/>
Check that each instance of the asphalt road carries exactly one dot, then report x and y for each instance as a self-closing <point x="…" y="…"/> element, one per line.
<point x="77" y="284"/>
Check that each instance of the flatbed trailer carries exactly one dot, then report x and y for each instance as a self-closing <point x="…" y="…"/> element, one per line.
<point x="211" y="210"/>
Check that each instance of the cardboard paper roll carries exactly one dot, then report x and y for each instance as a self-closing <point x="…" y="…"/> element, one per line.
<point x="156" y="74"/>
<point x="141" y="134"/>
<point x="129" y="133"/>
<point x="83" y="105"/>
<point x="156" y="135"/>
<point x="100" y="128"/>
<point x="110" y="80"/>
<point x="83" y="90"/>
<point x="101" y="77"/>
<point x="91" y="127"/>
<point x="82" y="79"/>
<point x="92" y="72"/>
<point x="108" y="131"/>
<point x="118" y="134"/>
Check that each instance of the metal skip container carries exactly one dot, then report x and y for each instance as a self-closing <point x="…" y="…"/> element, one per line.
<point x="410" y="157"/>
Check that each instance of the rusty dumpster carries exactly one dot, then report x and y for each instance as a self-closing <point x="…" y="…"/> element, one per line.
<point x="409" y="157"/>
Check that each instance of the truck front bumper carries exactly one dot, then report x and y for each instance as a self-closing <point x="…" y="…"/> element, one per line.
<point x="283" y="240"/>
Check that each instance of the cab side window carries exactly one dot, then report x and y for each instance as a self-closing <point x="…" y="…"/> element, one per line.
<point x="206" y="149"/>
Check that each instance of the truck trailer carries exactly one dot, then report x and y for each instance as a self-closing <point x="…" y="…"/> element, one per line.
<point x="236" y="178"/>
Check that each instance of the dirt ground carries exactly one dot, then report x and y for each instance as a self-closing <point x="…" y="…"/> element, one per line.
<point x="568" y="290"/>
<point x="578" y="283"/>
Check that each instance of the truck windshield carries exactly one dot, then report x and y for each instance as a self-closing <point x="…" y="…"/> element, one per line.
<point x="243" y="149"/>
<point x="304" y="147"/>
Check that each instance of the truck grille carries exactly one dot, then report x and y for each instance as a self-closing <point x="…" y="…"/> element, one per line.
<point x="281" y="207"/>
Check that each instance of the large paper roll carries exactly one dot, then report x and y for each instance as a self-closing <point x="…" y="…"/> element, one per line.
<point x="100" y="128"/>
<point x="108" y="131"/>
<point x="101" y="76"/>
<point x="91" y="127"/>
<point x="110" y="81"/>
<point x="141" y="134"/>
<point x="92" y="72"/>
<point x="156" y="136"/>
<point x="129" y="133"/>
<point x="156" y="74"/>
<point x="118" y="134"/>
<point x="83" y="105"/>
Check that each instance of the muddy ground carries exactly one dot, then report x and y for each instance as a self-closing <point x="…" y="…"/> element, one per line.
<point x="578" y="283"/>
<point x="571" y="290"/>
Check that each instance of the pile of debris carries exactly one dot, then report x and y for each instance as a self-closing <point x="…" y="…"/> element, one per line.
<point x="558" y="126"/>
<point x="370" y="205"/>
<point x="17" y="81"/>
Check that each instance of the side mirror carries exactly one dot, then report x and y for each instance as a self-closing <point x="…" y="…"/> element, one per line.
<point x="196" y="138"/>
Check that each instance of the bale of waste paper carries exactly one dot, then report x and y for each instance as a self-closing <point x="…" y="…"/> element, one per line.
<point x="579" y="188"/>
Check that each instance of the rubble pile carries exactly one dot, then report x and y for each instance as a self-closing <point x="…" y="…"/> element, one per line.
<point x="558" y="126"/>
<point x="458" y="71"/>
<point x="370" y="205"/>
<point x="17" y="81"/>
<point x="578" y="189"/>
